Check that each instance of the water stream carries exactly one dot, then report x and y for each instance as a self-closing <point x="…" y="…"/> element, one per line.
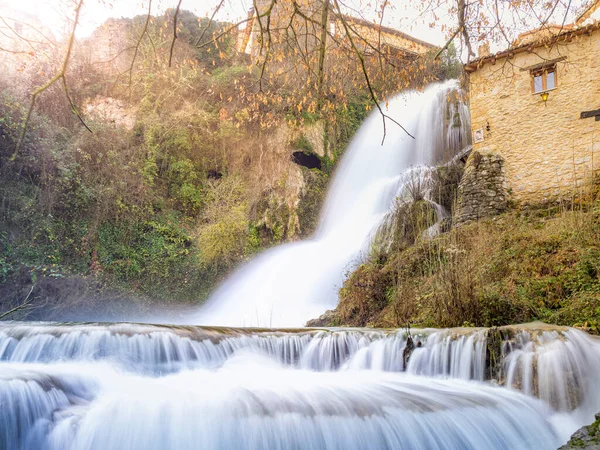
<point x="139" y="386"/>
<point x="293" y="283"/>
<point x="102" y="386"/>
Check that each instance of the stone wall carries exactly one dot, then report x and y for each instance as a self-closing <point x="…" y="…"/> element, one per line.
<point x="548" y="150"/>
<point x="482" y="189"/>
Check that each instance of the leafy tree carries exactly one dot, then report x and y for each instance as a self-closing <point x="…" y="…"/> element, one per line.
<point x="311" y="53"/>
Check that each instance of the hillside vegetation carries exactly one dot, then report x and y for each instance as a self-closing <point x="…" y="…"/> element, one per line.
<point x="169" y="193"/>
<point x="525" y="265"/>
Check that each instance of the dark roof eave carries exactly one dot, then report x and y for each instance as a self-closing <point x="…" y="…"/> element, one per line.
<point x="509" y="53"/>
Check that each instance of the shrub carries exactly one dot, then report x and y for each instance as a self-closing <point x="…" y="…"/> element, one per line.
<point x="223" y="230"/>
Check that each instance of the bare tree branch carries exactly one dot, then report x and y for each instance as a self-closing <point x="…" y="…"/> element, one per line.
<point x="322" y="49"/>
<point x="16" y="52"/>
<point x="445" y="47"/>
<point x="210" y="21"/>
<point x="73" y="107"/>
<point x="361" y="58"/>
<point x="174" y="32"/>
<point x="25" y="303"/>
<point x="227" y="31"/>
<point x="462" y="12"/>
<point x="265" y="30"/>
<point x="60" y="74"/>
<point x="139" y="41"/>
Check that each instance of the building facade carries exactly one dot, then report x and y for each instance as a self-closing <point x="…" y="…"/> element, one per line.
<point x="372" y="35"/>
<point x="537" y="106"/>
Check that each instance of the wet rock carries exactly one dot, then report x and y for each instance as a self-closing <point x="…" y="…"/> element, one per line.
<point x="327" y="319"/>
<point x="494" y="357"/>
<point x="408" y="350"/>
<point x="585" y="438"/>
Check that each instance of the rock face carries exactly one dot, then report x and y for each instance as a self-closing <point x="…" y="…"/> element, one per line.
<point x="325" y="320"/>
<point x="284" y="181"/>
<point x="112" y="111"/>
<point x="585" y="438"/>
<point x="482" y="190"/>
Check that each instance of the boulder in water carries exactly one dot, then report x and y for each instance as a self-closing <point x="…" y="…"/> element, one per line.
<point x="327" y="319"/>
<point x="585" y="438"/>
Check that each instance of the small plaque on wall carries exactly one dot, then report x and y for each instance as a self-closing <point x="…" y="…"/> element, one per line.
<point x="478" y="136"/>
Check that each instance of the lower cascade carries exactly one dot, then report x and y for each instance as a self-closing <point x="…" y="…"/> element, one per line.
<point x="132" y="386"/>
<point x="97" y="386"/>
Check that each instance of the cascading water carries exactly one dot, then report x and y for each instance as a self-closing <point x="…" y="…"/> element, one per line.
<point x="292" y="283"/>
<point x="152" y="387"/>
<point x="146" y="387"/>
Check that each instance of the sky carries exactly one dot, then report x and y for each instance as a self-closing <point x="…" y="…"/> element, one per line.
<point x="52" y="13"/>
<point x="402" y="14"/>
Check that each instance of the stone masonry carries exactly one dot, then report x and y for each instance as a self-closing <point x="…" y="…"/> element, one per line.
<point x="550" y="150"/>
<point x="482" y="189"/>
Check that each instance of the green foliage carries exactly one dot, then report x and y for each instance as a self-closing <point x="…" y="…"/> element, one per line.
<point x="147" y="250"/>
<point x="192" y="29"/>
<point x="271" y="218"/>
<point x="254" y="244"/>
<point x="6" y="261"/>
<point x="224" y="77"/>
<point x="365" y="294"/>
<point x="224" y="229"/>
<point x="168" y="208"/>
<point x="448" y="65"/>
<point x="349" y="118"/>
<point x="445" y="185"/>
<point x="11" y="111"/>
<point x="185" y="184"/>
<point x="412" y="220"/>
<point x="309" y="117"/>
<point x="302" y="143"/>
<point x="511" y="270"/>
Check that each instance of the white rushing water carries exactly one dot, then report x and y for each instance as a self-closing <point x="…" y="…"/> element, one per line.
<point x="156" y="387"/>
<point x="293" y="283"/>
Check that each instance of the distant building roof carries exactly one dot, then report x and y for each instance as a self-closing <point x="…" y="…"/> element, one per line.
<point x="388" y="30"/>
<point x="540" y="34"/>
<point x="416" y="47"/>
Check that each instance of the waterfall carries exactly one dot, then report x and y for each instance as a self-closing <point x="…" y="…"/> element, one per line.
<point x="292" y="283"/>
<point x="100" y="386"/>
<point x="110" y="386"/>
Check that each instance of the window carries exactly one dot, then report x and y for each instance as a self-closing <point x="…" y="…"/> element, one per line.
<point x="543" y="79"/>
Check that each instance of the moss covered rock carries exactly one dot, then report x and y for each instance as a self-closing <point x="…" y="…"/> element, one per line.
<point x="585" y="438"/>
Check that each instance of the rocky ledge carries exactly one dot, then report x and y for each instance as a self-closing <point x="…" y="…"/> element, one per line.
<point x="587" y="437"/>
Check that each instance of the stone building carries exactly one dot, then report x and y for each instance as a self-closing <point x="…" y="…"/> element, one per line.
<point x="536" y="106"/>
<point x="373" y="36"/>
<point x="399" y="43"/>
